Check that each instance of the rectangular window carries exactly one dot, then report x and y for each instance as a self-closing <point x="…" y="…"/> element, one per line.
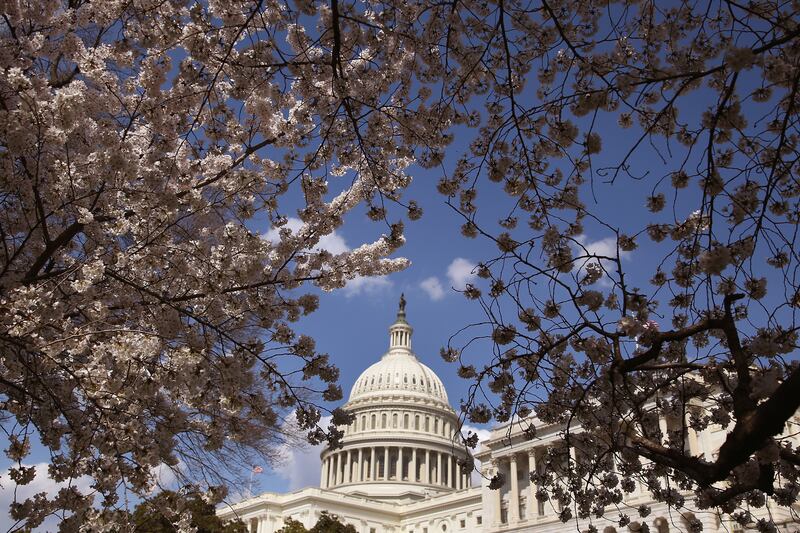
<point x="463" y="524"/>
<point x="479" y="520"/>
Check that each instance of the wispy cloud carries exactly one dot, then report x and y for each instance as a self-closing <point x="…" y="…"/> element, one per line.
<point x="333" y="242"/>
<point x="367" y="285"/>
<point x="606" y="247"/>
<point x="11" y="492"/>
<point x="460" y="272"/>
<point x="433" y="287"/>
<point x="483" y="434"/>
<point x="300" y="464"/>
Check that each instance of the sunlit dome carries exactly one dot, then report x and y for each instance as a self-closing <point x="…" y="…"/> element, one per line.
<point x="399" y="372"/>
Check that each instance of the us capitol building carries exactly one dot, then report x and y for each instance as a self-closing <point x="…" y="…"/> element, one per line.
<point x="398" y="471"/>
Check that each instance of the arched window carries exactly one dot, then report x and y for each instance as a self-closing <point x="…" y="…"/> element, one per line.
<point x="363" y="422"/>
<point x="436" y="425"/>
<point x="394" y="420"/>
<point x="416" y="422"/>
<point x="405" y="421"/>
<point x="373" y="422"/>
<point x="383" y="420"/>
<point x="427" y="423"/>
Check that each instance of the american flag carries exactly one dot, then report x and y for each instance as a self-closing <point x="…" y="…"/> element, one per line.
<point x="257" y="469"/>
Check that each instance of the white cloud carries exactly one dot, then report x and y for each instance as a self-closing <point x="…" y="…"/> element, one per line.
<point x="10" y="492"/>
<point x="460" y="272"/>
<point x="335" y="244"/>
<point x="366" y="285"/>
<point x="433" y="287"/>
<point x="332" y="242"/>
<point x="603" y="247"/>
<point x="483" y="434"/>
<point x="606" y="247"/>
<point x="300" y="464"/>
<point x="166" y="477"/>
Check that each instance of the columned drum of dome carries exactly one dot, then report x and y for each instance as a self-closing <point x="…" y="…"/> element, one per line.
<point x="401" y="444"/>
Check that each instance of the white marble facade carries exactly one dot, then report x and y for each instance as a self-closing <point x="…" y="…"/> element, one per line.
<point x="398" y="471"/>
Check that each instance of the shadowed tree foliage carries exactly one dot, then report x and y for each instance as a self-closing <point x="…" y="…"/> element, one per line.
<point x="327" y="523"/>
<point x="162" y="513"/>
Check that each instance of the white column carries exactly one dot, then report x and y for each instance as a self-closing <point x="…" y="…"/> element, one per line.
<point x="691" y="436"/>
<point x="533" y="503"/>
<point x="496" y="496"/>
<point x="348" y="471"/>
<point x="662" y="425"/>
<point x="513" y="499"/>
<point x="386" y="463"/>
<point x="427" y="476"/>
<point x="459" y="476"/>
<point x="373" y="466"/>
<point x="450" y="463"/>
<point x="360" y="471"/>
<point x="438" y="468"/>
<point x="412" y="472"/>
<point x="328" y="471"/>
<point x="329" y="481"/>
<point x="399" y="465"/>
<point x="322" y="474"/>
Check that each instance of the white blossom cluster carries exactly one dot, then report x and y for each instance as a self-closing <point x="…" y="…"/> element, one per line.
<point x="145" y="146"/>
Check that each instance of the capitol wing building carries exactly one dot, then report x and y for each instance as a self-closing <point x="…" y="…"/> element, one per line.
<point x="398" y="471"/>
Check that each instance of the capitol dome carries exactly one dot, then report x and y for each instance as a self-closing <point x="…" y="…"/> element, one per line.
<point x="399" y="371"/>
<point x="403" y="443"/>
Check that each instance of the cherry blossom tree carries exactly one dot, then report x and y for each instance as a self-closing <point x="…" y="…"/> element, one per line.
<point x="145" y="148"/>
<point x="686" y="310"/>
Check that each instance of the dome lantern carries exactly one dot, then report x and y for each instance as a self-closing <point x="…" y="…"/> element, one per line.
<point x="400" y="331"/>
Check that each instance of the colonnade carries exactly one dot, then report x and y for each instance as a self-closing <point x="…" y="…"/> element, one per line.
<point x="516" y="464"/>
<point x="393" y="463"/>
